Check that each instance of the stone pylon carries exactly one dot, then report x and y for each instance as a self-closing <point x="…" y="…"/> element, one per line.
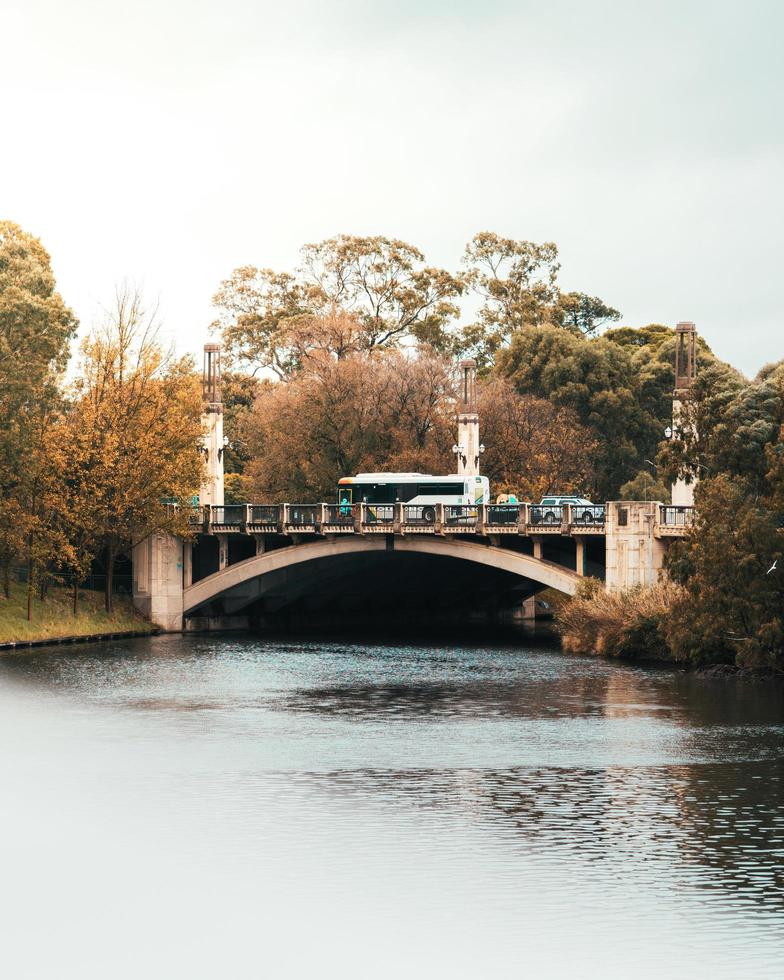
<point x="212" y="422"/>
<point x="467" y="449"/>
<point x="685" y="372"/>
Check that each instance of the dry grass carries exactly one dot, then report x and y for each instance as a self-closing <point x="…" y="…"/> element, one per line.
<point x="53" y="618"/>
<point x="627" y="625"/>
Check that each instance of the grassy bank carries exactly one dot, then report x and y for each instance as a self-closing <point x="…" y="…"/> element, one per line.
<point x="54" y="618"/>
<point x="626" y="625"/>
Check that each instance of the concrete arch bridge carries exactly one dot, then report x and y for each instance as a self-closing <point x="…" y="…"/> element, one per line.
<point x="262" y="564"/>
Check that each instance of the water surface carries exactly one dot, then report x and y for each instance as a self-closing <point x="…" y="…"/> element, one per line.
<point x="246" y="807"/>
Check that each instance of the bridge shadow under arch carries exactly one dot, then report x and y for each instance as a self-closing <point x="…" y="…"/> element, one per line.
<point x="371" y="578"/>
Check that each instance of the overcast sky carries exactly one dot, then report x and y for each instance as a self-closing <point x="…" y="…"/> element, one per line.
<point x="170" y="141"/>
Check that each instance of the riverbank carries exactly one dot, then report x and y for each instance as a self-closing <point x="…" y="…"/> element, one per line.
<point x="54" y="621"/>
<point x="637" y="625"/>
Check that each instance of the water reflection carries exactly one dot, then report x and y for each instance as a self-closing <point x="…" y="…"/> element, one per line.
<point x="527" y="772"/>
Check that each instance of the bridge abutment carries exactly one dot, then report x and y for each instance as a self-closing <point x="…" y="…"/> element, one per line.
<point x="634" y="554"/>
<point x="160" y="568"/>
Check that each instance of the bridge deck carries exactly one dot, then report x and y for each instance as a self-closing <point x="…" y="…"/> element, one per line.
<point x="529" y="520"/>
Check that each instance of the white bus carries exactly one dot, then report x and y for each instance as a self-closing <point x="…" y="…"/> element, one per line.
<point x="416" y="489"/>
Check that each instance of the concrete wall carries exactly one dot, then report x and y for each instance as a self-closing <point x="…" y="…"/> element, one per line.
<point x="635" y="556"/>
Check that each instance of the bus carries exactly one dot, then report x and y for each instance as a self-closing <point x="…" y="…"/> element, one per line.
<point x="417" y="489"/>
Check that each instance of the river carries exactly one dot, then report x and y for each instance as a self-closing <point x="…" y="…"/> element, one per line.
<point x="234" y="806"/>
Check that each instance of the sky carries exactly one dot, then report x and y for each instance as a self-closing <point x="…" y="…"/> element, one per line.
<point x="168" y="142"/>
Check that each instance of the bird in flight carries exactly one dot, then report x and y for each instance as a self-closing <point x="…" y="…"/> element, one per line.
<point x="772" y="567"/>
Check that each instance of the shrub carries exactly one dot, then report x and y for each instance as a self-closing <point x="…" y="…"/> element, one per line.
<point x="628" y="625"/>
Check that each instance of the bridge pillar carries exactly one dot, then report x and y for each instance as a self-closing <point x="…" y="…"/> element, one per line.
<point x="537" y="543"/>
<point x="579" y="544"/>
<point x="223" y="551"/>
<point x="158" y="572"/>
<point x="187" y="563"/>
<point x="634" y="555"/>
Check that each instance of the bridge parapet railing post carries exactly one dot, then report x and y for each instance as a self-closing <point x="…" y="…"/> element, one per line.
<point x="321" y="517"/>
<point x="566" y="518"/>
<point x="397" y="520"/>
<point x="522" y="519"/>
<point x="438" y="523"/>
<point x="360" y="516"/>
<point x="481" y="519"/>
<point x="283" y="518"/>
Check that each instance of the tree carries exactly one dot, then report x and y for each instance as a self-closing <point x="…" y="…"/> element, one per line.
<point x="386" y="285"/>
<point x="517" y="282"/>
<point x="254" y="306"/>
<point x="595" y="379"/>
<point x="140" y="410"/>
<point x="378" y="291"/>
<point x="338" y="417"/>
<point x="238" y="392"/>
<point x="35" y="328"/>
<point x="584" y="314"/>
<point x="725" y="427"/>
<point x="731" y="562"/>
<point x="533" y="446"/>
<point x="732" y="608"/>
<point x="645" y="486"/>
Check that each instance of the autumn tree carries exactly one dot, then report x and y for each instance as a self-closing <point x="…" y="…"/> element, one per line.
<point x="340" y="416"/>
<point x="533" y="446"/>
<point x="35" y="329"/>
<point x="139" y="410"/>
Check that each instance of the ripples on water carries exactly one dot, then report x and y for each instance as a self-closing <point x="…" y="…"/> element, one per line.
<point x="476" y="810"/>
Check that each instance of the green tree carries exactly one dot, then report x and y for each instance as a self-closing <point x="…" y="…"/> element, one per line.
<point x="645" y="486"/>
<point x="597" y="380"/>
<point x="732" y="608"/>
<point x="584" y="314"/>
<point x="517" y="282"/>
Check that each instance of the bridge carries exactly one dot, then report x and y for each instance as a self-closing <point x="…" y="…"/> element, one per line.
<point x="258" y="563"/>
<point x="264" y="562"/>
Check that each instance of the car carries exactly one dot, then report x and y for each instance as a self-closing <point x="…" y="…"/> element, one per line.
<point x="549" y="510"/>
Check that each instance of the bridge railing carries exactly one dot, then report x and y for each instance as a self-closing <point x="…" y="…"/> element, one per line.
<point x="549" y="515"/>
<point x="674" y="516"/>
<point x="305" y="516"/>
<point x="263" y="515"/>
<point x="504" y="515"/>
<point x="374" y="515"/>
<point x="423" y="515"/>
<point x="583" y="514"/>
<point x="227" y="515"/>
<point x="340" y="515"/>
<point x="460" y="515"/>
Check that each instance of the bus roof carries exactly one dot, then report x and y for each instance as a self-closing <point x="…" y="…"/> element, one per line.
<point x="399" y="477"/>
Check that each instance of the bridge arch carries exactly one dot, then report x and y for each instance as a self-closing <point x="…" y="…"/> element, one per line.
<point x="239" y="585"/>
